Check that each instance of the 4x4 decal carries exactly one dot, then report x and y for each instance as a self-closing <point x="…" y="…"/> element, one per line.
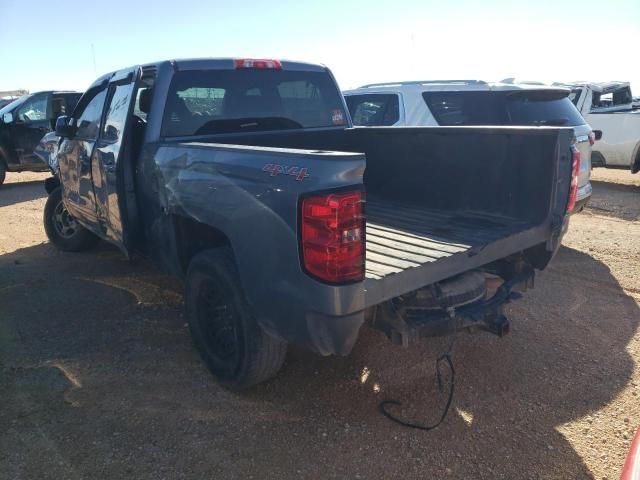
<point x="274" y="170"/>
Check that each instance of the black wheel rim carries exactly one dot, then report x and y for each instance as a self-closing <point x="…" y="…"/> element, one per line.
<point x="216" y="318"/>
<point x="65" y="225"/>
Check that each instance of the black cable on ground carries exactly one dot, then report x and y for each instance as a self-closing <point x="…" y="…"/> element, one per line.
<point x="445" y="357"/>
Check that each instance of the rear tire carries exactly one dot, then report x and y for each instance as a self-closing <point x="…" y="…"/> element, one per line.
<point x="234" y="347"/>
<point x="62" y="229"/>
<point x="3" y="172"/>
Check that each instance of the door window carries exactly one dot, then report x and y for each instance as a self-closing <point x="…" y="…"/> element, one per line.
<point x="89" y="119"/>
<point x="58" y="107"/>
<point x="117" y="113"/>
<point x="376" y="109"/>
<point x="71" y="100"/>
<point x="33" y="110"/>
<point x="616" y="98"/>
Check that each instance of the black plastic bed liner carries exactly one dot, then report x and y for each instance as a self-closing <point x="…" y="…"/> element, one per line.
<point x="409" y="247"/>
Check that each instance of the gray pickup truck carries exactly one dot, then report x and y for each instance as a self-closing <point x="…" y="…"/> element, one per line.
<point x="245" y="178"/>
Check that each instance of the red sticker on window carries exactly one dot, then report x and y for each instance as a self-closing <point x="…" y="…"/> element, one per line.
<point x="337" y="117"/>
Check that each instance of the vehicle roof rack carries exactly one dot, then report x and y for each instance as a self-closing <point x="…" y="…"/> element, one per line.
<point x="425" y="82"/>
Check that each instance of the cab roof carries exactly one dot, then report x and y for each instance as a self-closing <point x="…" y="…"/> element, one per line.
<point x="601" y="87"/>
<point x="455" y="85"/>
<point x="202" y="64"/>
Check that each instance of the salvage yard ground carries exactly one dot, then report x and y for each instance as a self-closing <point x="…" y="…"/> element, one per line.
<point x="99" y="380"/>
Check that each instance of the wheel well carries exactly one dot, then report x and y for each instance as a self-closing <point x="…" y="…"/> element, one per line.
<point x="635" y="166"/>
<point x="51" y="183"/>
<point x="193" y="237"/>
<point x="597" y="160"/>
<point x="3" y="159"/>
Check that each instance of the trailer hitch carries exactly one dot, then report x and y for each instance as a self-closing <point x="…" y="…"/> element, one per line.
<point x="404" y="323"/>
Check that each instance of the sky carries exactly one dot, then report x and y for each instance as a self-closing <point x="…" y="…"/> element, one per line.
<point x="66" y="44"/>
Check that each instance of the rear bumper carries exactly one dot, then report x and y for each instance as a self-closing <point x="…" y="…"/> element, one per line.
<point x="328" y="335"/>
<point x="580" y="204"/>
<point x="582" y="198"/>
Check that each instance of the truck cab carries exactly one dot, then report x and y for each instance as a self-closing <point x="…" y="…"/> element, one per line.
<point x="24" y="122"/>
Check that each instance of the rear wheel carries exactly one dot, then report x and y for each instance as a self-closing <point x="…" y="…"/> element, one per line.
<point x="3" y="171"/>
<point x="236" y="349"/>
<point x="63" y="230"/>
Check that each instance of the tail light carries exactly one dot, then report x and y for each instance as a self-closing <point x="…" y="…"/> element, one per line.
<point x="575" y="171"/>
<point x="332" y="230"/>
<point x="257" y="63"/>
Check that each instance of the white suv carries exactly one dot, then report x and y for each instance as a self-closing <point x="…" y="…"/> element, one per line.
<point x="474" y="102"/>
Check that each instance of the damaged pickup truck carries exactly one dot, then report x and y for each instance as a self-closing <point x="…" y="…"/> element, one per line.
<point x="245" y="178"/>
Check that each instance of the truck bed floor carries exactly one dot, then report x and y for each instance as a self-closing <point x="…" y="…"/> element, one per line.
<point x="400" y="237"/>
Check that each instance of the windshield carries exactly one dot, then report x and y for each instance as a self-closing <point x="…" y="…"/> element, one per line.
<point x="519" y="107"/>
<point x="250" y="100"/>
<point x="10" y="106"/>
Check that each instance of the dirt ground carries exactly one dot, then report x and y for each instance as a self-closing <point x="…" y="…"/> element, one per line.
<point x="99" y="380"/>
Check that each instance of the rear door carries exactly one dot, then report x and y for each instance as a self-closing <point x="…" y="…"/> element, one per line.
<point x="111" y="159"/>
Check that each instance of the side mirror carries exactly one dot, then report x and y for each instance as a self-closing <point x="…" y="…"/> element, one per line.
<point x="7" y="118"/>
<point x="64" y="127"/>
<point x="597" y="134"/>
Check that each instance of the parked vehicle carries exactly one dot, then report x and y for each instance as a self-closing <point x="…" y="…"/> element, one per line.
<point x="6" y="101"/>
<point x="8" y="96"/>
<point x="245" y="179"/>
<point x="608" y="107"/>
<point x="474" y="102"/>
<point x="23" y="122"/>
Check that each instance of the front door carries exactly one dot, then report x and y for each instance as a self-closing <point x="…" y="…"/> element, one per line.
<point x="112" y="159"/>
<point x="74" y="158"/>
<point x="31" y="123"/>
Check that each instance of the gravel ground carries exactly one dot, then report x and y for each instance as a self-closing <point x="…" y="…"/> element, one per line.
<point x="98" y="377"/>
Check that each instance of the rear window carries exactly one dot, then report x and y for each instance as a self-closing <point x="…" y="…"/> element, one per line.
<point x="521" y="107"/>
<point x="250" y="100"/>
<point x="374" y="109"/>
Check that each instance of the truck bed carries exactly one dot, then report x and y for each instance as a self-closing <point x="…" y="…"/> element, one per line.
<point x="408" y="246"/>
<point x="399" y="236"/>
<point x="439" y="201"/>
